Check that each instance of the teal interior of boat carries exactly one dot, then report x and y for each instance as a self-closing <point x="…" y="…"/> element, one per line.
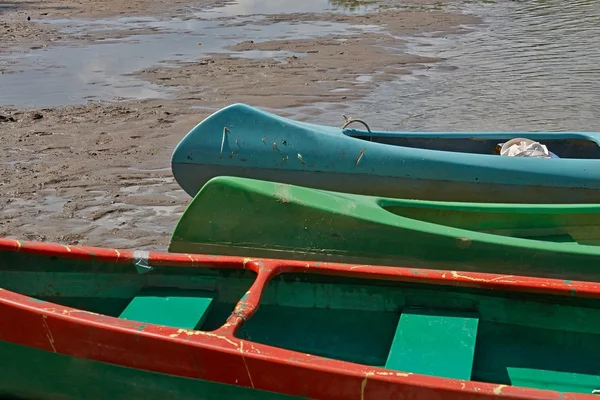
<point x="501" y="337"/>
<point x="570" y="147"/>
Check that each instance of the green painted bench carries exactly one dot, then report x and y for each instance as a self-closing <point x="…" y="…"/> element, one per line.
<point x="434" y="342"/>
<point x="175" y="308"/>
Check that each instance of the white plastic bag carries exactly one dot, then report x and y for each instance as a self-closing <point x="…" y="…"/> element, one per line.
<point x="520" y="147"/>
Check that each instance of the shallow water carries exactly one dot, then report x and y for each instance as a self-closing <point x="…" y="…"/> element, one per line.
<point x="265" y="7"/>
<point x="532" y="66"/>
<point x="76" y="73"/>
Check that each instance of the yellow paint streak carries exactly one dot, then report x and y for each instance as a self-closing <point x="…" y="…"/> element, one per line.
<point x="402" y="374"/>
<point x="48" y="334"/>
<point x="64" y="311"/>
<point x="470" y="278"/>
<point x="67" y="247"/>
<point x="359" y="266"/>
<point x="498" y="389"/>
<point x="246" y="365"/>
<point x="191" y="259"/>
<point x="18" y="244"/>
<point x="194" y="333"/>
<point x="363" y="385"/>
<point x="118" y="254"/>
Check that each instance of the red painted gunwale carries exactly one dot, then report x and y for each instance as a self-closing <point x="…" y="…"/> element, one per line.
<point x="220" y="357"/>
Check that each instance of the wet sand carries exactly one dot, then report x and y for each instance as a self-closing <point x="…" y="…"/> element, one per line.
<point x="99" y="173"/>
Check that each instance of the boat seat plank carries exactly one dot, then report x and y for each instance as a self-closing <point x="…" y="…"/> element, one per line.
<point x="554" y="380"/>
<point x="434" y="342"/>
<point x="179" y="309"/>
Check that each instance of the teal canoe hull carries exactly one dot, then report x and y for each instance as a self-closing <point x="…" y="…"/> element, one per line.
<point x="242" y="141"/>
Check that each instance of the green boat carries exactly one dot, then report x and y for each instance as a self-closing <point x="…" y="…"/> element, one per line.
<point x="239" y="216"/>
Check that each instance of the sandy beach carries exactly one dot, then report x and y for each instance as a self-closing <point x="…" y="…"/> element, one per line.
<point x="99" y="173"/>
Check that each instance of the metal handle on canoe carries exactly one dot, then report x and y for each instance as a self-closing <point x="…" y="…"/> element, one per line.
<point x="350" y="120"/>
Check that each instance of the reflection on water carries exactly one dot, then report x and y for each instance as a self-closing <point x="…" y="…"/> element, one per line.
<point x="533" y="65"/>
<point x="265" y="7"/>
<point x="350" y="5"/>
<point x="75" y="73"/>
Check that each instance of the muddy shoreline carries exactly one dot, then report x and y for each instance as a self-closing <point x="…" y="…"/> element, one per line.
<point x="99" y="173"/>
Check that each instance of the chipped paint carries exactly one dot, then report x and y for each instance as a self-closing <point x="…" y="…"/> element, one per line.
<point x="500" y="278"/>
<point x="141" y="261"/>
<point x="188" y="332"/>
<point x="301" y="159"/>
<point x="225" y="132"/>
<point x="48" y="333"/>
<point x="65" y="311"/>
<point x="399" y="374"/>
<point x="498" y="389"/>
<point x="359" y="156"/>
<point x="363" y="384"/>
<point x="246" y="364"/>
<point x="246" y="261"/>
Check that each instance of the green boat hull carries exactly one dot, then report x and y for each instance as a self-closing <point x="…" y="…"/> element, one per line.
<point x="238" y="216"/>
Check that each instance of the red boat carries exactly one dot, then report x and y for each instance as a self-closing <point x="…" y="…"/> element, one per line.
<point x="82" y="322"/>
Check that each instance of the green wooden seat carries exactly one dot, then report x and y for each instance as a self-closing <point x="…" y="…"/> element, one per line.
<point x="554" y="380"/>
<point x="434" y="342"/>
<point x="179" y="309"/>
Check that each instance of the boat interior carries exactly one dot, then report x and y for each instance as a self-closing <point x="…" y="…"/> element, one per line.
<point x="571" y="147"/>
<point x="547" y="224"/>
<point x="441" y="329"/>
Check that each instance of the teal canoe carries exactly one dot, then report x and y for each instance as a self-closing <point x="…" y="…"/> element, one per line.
<point x="244" y="217"/>
<point x="246" y="142"/>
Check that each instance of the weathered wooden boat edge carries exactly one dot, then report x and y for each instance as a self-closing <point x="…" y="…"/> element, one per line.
<point x="157" y="343"/>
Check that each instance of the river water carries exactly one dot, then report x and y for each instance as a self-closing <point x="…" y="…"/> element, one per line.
<point x="531" y="66"/>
